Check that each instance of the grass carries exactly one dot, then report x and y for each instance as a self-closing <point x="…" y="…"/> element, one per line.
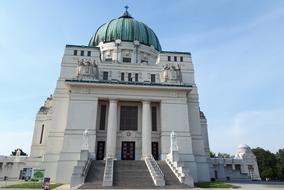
<point x="215" y="184"/>
<point x="31" y="185"/>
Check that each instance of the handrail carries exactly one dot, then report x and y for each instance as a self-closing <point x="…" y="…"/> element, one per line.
<point x="156" y="165"/>
<point x="87" y="166"/>
<point x="108" y="173"/>
<point x="155" y="171"/>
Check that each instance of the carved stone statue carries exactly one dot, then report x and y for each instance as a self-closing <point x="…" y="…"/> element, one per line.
<point x="17" y="157"/>
<point x="18" y="152"/>
<point x="85" y="145"/>
<point x="87" y="70"/>
<point x="174" y="146"/>
<point x="171" y="74"/>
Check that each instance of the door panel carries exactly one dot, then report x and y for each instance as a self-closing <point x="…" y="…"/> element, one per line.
<point x="100" y="150"/>
<point x="128" y="151"/>
<point x="155" y="150"/>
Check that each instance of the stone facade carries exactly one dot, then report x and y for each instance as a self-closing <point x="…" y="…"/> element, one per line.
<point x="97" y="84"/>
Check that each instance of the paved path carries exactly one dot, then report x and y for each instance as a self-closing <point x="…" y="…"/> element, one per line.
<point x="244" y="186"/>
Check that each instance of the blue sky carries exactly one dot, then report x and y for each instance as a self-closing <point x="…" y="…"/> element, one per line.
<point x="237" y="50"/>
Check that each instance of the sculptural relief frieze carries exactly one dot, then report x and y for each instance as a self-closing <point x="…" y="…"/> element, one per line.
<point x="171" y="74"/>
<point x="87" y="70"/>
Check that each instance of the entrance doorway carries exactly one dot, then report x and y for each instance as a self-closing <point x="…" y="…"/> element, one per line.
<point x="100" y="150"/>
<point x="155" y="150"/>
<point x="128" y="150"/>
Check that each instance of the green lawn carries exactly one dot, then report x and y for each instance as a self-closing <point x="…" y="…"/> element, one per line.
<point x="215" y="184"/>
<point x="31" y="185"/>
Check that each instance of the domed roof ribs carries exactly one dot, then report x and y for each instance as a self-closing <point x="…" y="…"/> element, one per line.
<point x="147" y="35"/>
<point x="157" y="42"/>
<point x="126" y="28"/>
<point x="132" y="29"/>
<point x="107" y="30"/>
<point x="93" y="40"/>
<point x="122" y="28"/>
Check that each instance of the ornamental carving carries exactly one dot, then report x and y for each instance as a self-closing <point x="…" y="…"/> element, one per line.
<point x="171" y="74"/>
<point x="87" y="70"/>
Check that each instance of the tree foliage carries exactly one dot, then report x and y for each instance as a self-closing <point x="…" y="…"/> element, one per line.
<point x="220" y="155"/>
<point x="224" y="155"/>
<point x="280" y="163"/>
<point x="212" y="155"/>
<point x="22" y="152"/>
<point x="266" y="163"/>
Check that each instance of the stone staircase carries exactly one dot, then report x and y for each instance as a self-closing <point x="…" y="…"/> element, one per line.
<point x="170" y="178"/>
<point x="131" y="173"/>
<point x="95" y="175"/>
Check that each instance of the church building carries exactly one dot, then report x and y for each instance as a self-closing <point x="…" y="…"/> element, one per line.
<point x="124" y="109"/>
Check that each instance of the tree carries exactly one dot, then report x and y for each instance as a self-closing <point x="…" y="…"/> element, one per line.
<point x="266" y="163"/>
<point x="280" y="163"/>
<point x="224" y="155"/>
<point x="22" y="152"/>
<point x="212" y="155"/>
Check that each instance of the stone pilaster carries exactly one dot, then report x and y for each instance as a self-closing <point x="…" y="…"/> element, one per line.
<point x="146" y="129"/>
<point x="111" y="130"/>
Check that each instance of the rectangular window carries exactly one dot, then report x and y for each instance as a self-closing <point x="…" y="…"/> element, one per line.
<point x="175" y="58"/>
<point x="108" y="59"/>
<point x="103" y="117"/>
<point x="153" y="78"/>
<point x="89" y="53"/>
<point x="105" y="75"/>
<point x="128" y="118"/>
<point x="144" y="61"/>
<point x="154" y="118"/>
<point x="122" y="77"/>
<point x="129" y="77"/>
<point x="82" y="53"/>
<point x="169" y="58"/>
<point x="181" y="59"/>
<point x="75" y="52"/>
<point x="126" y="60"/>
<point x="136" y="77"/>
<point x="41" y="134"/>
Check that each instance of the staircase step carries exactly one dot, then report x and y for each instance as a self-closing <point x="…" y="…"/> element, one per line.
<point x="170" y="177"/>
<point x="96" y="173"/>
<point x="132" y="173"/>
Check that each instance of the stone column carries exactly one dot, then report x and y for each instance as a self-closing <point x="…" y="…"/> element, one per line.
<point x="146" y="129"/>
<point x="111" y="130"/>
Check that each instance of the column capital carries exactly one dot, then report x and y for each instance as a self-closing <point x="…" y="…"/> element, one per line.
<point x="113" y="100"/>
<point x="146" y="101"/>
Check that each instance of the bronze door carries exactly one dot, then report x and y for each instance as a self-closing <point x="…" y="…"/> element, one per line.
<point x="100" y="150"/>
<point x="128" y="151"/>
<point x="155" y="150"/>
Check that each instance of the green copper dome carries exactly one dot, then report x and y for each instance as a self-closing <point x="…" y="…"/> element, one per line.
<point x="125" y="28"/>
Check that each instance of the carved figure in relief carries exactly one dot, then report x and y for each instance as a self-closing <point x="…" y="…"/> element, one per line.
<point x="171" y="74"/>
<point x="87" y="69"/>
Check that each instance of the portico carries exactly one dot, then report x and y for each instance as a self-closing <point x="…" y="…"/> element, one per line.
<point x="134" y="133"/>
<point x="129" y="127"/>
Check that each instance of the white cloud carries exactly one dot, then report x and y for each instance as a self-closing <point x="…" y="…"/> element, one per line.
<point x="255" y="128"/>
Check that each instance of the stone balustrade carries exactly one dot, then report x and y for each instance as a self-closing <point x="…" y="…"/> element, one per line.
<point x="155" y="171"/>
<point x="108" y="173"/>
<point x="179" y="170"/>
